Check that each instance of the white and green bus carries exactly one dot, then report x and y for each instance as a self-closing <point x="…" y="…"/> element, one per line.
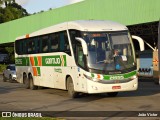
<point x="85" y="56"/>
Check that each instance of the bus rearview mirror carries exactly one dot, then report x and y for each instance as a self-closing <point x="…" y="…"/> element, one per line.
<point x="140" y="41"/>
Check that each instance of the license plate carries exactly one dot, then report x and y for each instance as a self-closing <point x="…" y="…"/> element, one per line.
<point x="116" y="87"/>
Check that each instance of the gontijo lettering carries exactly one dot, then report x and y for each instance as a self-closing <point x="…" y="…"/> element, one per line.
<point x="52" y="61"/>
<point x="56" y="60"/>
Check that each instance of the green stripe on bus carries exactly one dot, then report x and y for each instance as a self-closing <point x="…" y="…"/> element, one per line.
<point x="55" y="60"/>
<point x="35" y="61"/>
<point x="27" y="61"/>
<point x="39" y="71"/>
<point x="120" y="76"/>
<point x="117" y="76"/>
<point x="65" y="61"/>
<point x="130" y="74"/>
<point x="92" y="75"/>
<point x="106" y="77"/>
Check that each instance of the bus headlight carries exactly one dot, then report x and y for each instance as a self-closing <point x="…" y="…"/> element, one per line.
<point x="95" y="80"/>
<point x="134" y="77"/>
<point x="90" y="78"/>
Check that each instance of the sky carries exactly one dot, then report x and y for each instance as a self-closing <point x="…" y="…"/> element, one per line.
<point x="33" y="6"/>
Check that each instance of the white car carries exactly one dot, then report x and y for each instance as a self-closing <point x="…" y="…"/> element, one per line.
<point x="9" y="73"/>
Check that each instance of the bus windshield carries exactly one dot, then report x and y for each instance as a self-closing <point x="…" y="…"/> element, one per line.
<point x="109" y="51"/>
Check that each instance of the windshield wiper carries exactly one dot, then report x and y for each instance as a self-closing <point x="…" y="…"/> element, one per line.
<point x="106" y="61"/>
<point x="100" y="61"/>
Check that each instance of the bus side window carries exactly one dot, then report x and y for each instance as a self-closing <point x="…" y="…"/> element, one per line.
<point x="64" y="43"/>
<point x="31" y="46"/>
<point x="45" y="44"/>
<point x="79" y="55"/>
<point x="19" y="46"/>
<point x="54" y="42"/>
<point x="24" y="47"/>
<point x="73" y="34"/>
<point x="38" y="48"/>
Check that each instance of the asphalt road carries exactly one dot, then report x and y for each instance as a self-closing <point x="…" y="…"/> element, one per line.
<point x="14" y="97"/>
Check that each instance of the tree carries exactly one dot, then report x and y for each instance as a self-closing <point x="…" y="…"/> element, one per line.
<point x="6" y="2"/>
<point x="8" y="14"/>
<point x="19" y="8"/>
<point x="1" y="15"/>
<point x="0" y="2"/>
<point x="10" y="51"/>
<point x="11" y="11"/>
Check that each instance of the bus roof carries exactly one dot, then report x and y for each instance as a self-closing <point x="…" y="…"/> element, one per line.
<point x="82" y="25"/>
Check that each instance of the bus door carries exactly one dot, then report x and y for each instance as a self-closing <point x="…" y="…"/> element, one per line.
<point x="81" y="63"/>
<point x="60" y="70"/>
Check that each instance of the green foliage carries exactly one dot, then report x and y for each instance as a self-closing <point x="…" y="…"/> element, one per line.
<point x="2" y="67"/>
<point x="6" y="2"/>
<point x="11" y="11"/>
<point x="10" y="51"/>
<point x="1" y="14"/>
<point x="8" y="14"/>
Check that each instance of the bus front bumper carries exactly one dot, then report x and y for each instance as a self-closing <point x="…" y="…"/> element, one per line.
<point x="96" y="87"/>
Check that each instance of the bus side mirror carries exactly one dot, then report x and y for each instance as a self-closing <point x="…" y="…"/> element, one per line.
<point x="140" y="41"/>
<point x="84" y="45"/>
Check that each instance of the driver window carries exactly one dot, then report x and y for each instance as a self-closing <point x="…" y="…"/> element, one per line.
<point x="80" y="56"/>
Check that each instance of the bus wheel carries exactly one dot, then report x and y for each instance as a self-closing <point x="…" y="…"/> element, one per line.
<point x="157" y="81"/>
<point x="70" y="88"/>
<point x="4" y="78"/>
<point x="32" y="86"/>
<point x="26" y="82"/>
<point x="112" y="94"/>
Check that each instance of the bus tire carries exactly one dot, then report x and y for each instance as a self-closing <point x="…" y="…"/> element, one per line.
<point x="32" y="86"/>
<point x="4" y="78"/>
<point x="157" y="81"/>
<point x="112" y="94"/>
<point x="26" y="82"/>
<point x="70" y="88"/>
